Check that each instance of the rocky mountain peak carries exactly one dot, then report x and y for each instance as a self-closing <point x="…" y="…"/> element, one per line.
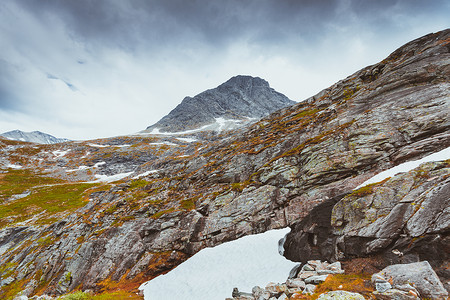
<point x="33" y="137"/>
<point x="245" y="82"/>
<point x="239" y="100"/>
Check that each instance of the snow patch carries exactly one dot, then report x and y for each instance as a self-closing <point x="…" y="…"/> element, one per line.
<point x="13" y="166"/>
<point x="163" y="143"/>
<point x="407" y="166"/>
<point x="212" y="273"/>
<point x="97" y="145"/>
<point x="78" y="169"/>
<point x="99" y="164"/>
<point x="60" y="153"/>
<point x="116" y="177"/>
<point x="145" y="174"/>
<point x="187" y="140"/>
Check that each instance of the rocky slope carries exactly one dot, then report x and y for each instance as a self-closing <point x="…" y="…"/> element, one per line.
<point x="196" y="194"/>
<point x="33" y="137"/>
<point x="235" y="102"/>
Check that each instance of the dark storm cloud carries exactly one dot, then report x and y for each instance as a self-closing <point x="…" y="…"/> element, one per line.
<point x="128" y="24"/>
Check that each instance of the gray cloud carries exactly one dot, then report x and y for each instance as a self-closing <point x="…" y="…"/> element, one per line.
<point x="108" y="67"/>
<point x="128" y="24"/>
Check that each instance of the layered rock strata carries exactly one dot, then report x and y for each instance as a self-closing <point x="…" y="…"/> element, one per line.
<point x="270" y="175"/>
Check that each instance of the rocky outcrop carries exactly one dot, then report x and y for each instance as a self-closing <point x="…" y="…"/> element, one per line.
<point x="239" y="99"/>
<point x="269" y="175"/>
<point x="403" y="218"/>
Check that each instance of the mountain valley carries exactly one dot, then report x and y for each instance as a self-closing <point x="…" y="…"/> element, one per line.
<point x="107" y="215"/>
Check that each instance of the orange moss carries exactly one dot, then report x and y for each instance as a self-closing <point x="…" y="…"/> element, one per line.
<point x="357" y="283"/>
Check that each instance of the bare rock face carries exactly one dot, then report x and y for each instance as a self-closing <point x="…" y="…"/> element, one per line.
<point x="240" y="98"/>
<point x="270" y="175"/>
<point x="404" y="218"/>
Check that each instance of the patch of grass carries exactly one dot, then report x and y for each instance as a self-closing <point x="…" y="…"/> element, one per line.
<point x="305" y="113"/>
<point x="48" y="200"/>
<point x="188" y="204"/>
<point x="11" y="290"/>
<point x="162" y="212"/>
<point x="367" y="190"/>
<point x="139" y="183"/>
<point x="19" y="181"/>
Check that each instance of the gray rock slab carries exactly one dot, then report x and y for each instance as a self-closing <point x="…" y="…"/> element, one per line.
<point x="419" y="274"/>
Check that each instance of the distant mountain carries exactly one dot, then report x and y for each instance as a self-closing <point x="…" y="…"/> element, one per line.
<point x="237" y="101"/>
<point x="33" y="137"/>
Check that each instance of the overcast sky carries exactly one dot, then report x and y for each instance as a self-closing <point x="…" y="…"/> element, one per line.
<point x="85" y="69"/>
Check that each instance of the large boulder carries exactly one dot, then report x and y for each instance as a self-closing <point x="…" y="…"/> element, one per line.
<point x="419" y="274"/>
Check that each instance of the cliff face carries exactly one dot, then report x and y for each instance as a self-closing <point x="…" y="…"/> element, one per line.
<point x="269" y="175"/>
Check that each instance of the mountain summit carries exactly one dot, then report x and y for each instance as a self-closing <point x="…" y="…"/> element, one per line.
<point x="33" y="137"/>
<point x="236" y="101"/>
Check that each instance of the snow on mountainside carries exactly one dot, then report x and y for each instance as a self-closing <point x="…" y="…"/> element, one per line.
<point x="213" y="272"/>
<point x="33" y="137"/>
<point x="240" y="100"/>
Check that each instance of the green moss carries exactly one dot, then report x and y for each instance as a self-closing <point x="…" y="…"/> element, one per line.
<point x="45" y="200"/>
<point x="366" y="190"/>
<point x="76" y="296"/>
<point x="139" y="183"/>
<point x="306" y="113"/>
<point x="349" y="92"/>
<point x="188" y="204"/>
<point x="162" y="212"/>
<point x="19" y="181"/>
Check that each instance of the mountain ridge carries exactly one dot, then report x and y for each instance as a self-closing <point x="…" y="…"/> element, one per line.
<point x="33" y="137"/>
<point x="238" y="100"/>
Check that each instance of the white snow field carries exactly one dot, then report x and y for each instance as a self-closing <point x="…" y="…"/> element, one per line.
<point x="212" y="273"/>
<point x="407" y="166"/>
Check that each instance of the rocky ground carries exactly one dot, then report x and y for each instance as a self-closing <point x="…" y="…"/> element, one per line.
<point x="178" y="196"/>
<point x="320" y="280"/>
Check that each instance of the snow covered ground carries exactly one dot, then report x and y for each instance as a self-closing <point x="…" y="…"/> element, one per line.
<point x="407" y="166"/>
<point x="212" y="273"/>
<point x="112" y="178"/>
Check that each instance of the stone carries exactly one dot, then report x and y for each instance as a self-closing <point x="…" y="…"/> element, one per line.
<point x="260" y="293"/>
<point x="308" y="267"/>
<point x="316" y="279"/>
<point x="283" y="297"/>
<point x="340" y="295"/>
<point x="309" y="289"/>
<point x="276" y="288"/>
<point x="306" y="274"/>
<point x="296" y="283"/>
<point x="294" y="271"/>
<point x="394" y="294"/>
<point x="382" y="286"/>
<point x="420" y="275"/>
<point x="7" y="281"/>
<point x="292" y="291"/>
<point x="336" y="266"/>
